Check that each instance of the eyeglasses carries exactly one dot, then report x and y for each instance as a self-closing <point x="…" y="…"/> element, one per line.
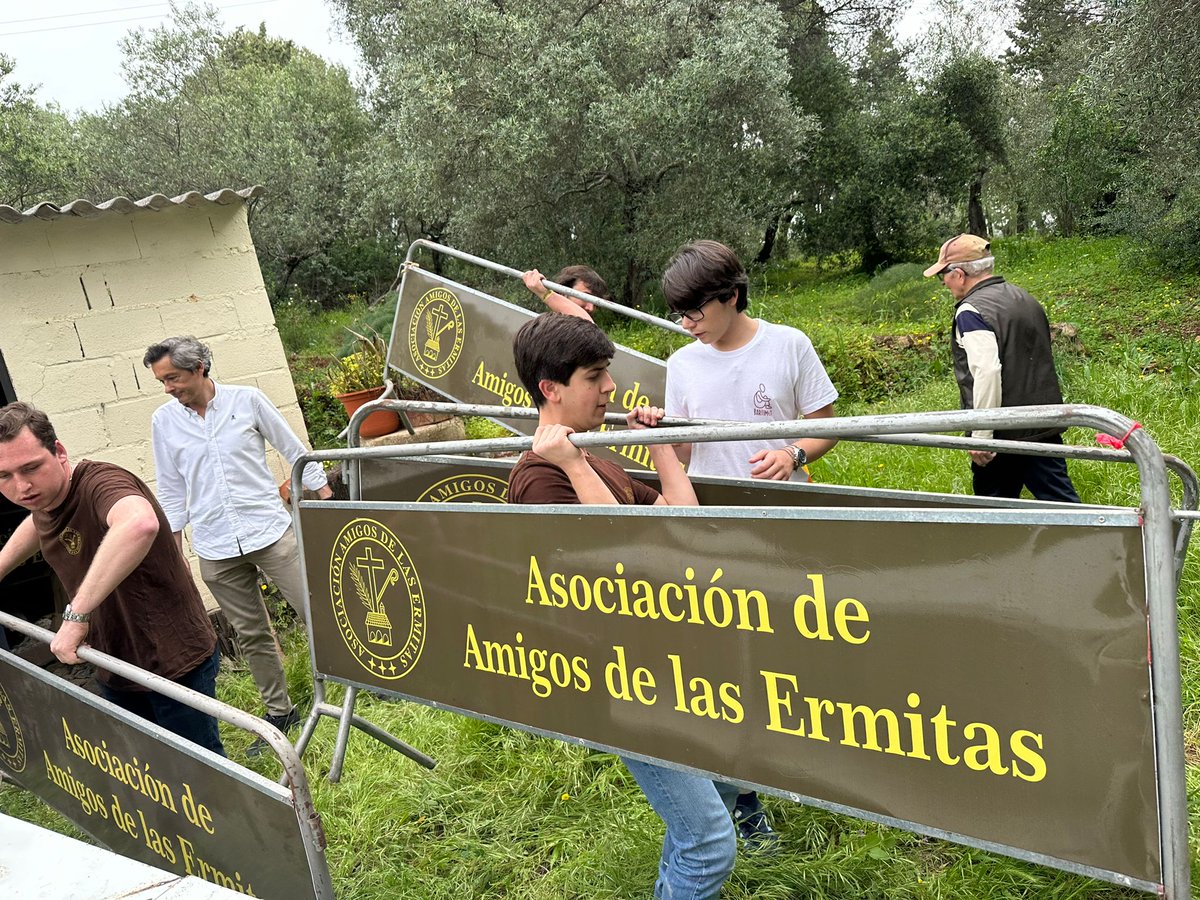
<point x="946" y="271"/>
<point x="692" y="315"/>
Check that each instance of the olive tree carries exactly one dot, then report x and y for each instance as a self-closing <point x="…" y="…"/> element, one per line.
<point x="605" y="131"/>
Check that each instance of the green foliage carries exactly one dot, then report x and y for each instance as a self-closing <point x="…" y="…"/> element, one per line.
<point x="479" y="428"/>
<point x="1149" y="77"/>
<point x="207" y="110"/>
<point x="307" y="328"/>
<point x="37" y="157"/>
<point x="638" y="126"/>
<point x="324" y="416"/>
<point x="363" y="367"/>
<point x="891" y="165"/>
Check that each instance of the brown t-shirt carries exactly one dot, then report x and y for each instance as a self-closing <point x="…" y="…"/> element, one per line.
<point x="535" y="480"/>
<point x="155" y="618"/>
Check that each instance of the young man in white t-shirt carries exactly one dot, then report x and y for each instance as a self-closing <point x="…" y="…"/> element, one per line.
<point x="739" y="369"/>
<point x="742" y="370"/>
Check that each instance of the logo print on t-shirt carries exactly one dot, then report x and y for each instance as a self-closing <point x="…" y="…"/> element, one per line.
<point x="72" y="540"/>
<point x="762" y="403"/>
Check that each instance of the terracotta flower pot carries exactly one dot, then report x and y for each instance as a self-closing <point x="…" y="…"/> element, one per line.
<point x="378" y="423"/>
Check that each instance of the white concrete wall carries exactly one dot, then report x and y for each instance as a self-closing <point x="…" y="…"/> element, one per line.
<point x="82" y="298"/>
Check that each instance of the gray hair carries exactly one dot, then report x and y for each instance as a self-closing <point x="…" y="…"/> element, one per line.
<point x="185" y="352"/>
<point x="976" y="266"/>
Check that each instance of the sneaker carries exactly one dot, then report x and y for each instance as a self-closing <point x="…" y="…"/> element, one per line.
<point x="754" y="828"/>
<point x="284" y="723"/>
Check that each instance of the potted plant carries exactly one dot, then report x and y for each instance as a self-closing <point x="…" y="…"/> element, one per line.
<point x="357" y="378"/>
<point x="407" y="389"/>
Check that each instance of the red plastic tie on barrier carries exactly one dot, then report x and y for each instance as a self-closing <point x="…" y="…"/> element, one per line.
<point x="1117" y="443"/>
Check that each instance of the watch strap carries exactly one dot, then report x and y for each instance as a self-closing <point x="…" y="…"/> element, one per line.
<point x="69" y="615"/>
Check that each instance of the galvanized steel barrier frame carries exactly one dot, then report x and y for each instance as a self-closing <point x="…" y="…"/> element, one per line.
<point x="294" y="777"/>
<point x="389" y="387"/>
<point x="923" y="429"/>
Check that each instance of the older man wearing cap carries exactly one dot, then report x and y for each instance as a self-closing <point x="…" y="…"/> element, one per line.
<point x="1002" y="357"/>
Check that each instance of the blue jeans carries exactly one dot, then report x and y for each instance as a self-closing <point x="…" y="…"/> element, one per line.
<point x="700" y="845"/>
<point x="191" y="724"/>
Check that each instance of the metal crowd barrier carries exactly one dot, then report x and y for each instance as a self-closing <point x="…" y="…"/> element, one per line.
<point x="1163" y="553"/>
<point x="295" y="777"/>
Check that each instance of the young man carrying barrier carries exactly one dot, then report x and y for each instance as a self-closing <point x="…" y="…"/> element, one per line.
<point x="132" y="594"/>
<point x="743" y="370"/>
<point x="563" y="362"/>
<point x="580" y="278"/>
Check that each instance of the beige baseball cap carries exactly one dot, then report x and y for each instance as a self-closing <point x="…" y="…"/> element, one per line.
<point x="964" y="248"/>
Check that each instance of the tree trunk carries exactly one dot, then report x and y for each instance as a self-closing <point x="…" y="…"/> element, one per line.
<point x="631" y="291"/>
<point x="1022" y="216"/>
<point x="768" y="242"/>
<point x="976" y="221"/>
<point x="293" y="263"/>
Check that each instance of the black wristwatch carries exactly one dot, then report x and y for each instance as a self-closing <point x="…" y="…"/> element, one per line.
<point x="799" y="457"/>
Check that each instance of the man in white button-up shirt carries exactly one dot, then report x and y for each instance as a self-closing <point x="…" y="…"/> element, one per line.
<point x="210" y="456"/>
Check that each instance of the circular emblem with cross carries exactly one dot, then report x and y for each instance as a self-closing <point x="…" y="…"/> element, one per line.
<point x="377" y="599"/>
<point x="12" y="743"/>
<point x="436" y="332"/>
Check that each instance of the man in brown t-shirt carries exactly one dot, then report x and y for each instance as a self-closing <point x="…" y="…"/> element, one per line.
<point x="132" y="595"/>
<point x="563" y="362"/>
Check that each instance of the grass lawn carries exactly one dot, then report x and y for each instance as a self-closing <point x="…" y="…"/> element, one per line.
<point x="506" y="814"/>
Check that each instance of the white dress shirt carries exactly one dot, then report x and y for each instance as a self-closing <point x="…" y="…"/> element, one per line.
<point x="212" y="470"/>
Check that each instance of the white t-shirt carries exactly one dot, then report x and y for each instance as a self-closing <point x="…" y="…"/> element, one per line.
<point x="776" y="377"/>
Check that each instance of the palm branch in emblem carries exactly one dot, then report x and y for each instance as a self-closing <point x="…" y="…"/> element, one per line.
<point x="379" y="626"/>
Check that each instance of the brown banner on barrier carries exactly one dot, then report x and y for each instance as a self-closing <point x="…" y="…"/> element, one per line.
<point x="143" y="797"/>
<point x="458" y="341"/>
<point x="415" y="480"/>
<point x="986" y="679"/>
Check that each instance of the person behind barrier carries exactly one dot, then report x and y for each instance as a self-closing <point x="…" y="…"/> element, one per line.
<point x="563" y="363"/>
<point x="579" y="278"/>
<point x="742" y="370"/>
<point x="739" y="369"/>
<point x="210" y="457"/>
<point x="132" y="595"/>
<point x="1002" y="357"/>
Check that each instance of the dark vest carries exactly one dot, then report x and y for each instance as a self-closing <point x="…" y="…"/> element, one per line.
<point x="1027" y="374"/>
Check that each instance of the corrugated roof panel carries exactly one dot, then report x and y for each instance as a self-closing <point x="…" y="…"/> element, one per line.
<point x="85" y="209"/>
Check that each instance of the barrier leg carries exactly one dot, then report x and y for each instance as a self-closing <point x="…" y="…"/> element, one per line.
<point x="343" y="735"/>
<point x="385" y="737"/>
<point x="314" y="716"/>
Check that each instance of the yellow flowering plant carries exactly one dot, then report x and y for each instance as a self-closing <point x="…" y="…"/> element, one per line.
<point x="362" y="369"/>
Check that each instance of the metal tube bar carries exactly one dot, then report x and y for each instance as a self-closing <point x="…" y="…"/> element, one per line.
<point x="557" y="288"/>
<point x="202" y="702"/>
<point x="840" y="427"/>
<point x="1165" y="678"/>
<point x="498" y="412"/>
<point x="386" y="737"/>
<point x="1191" y="489"/>
<point x="343" y="735"/>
